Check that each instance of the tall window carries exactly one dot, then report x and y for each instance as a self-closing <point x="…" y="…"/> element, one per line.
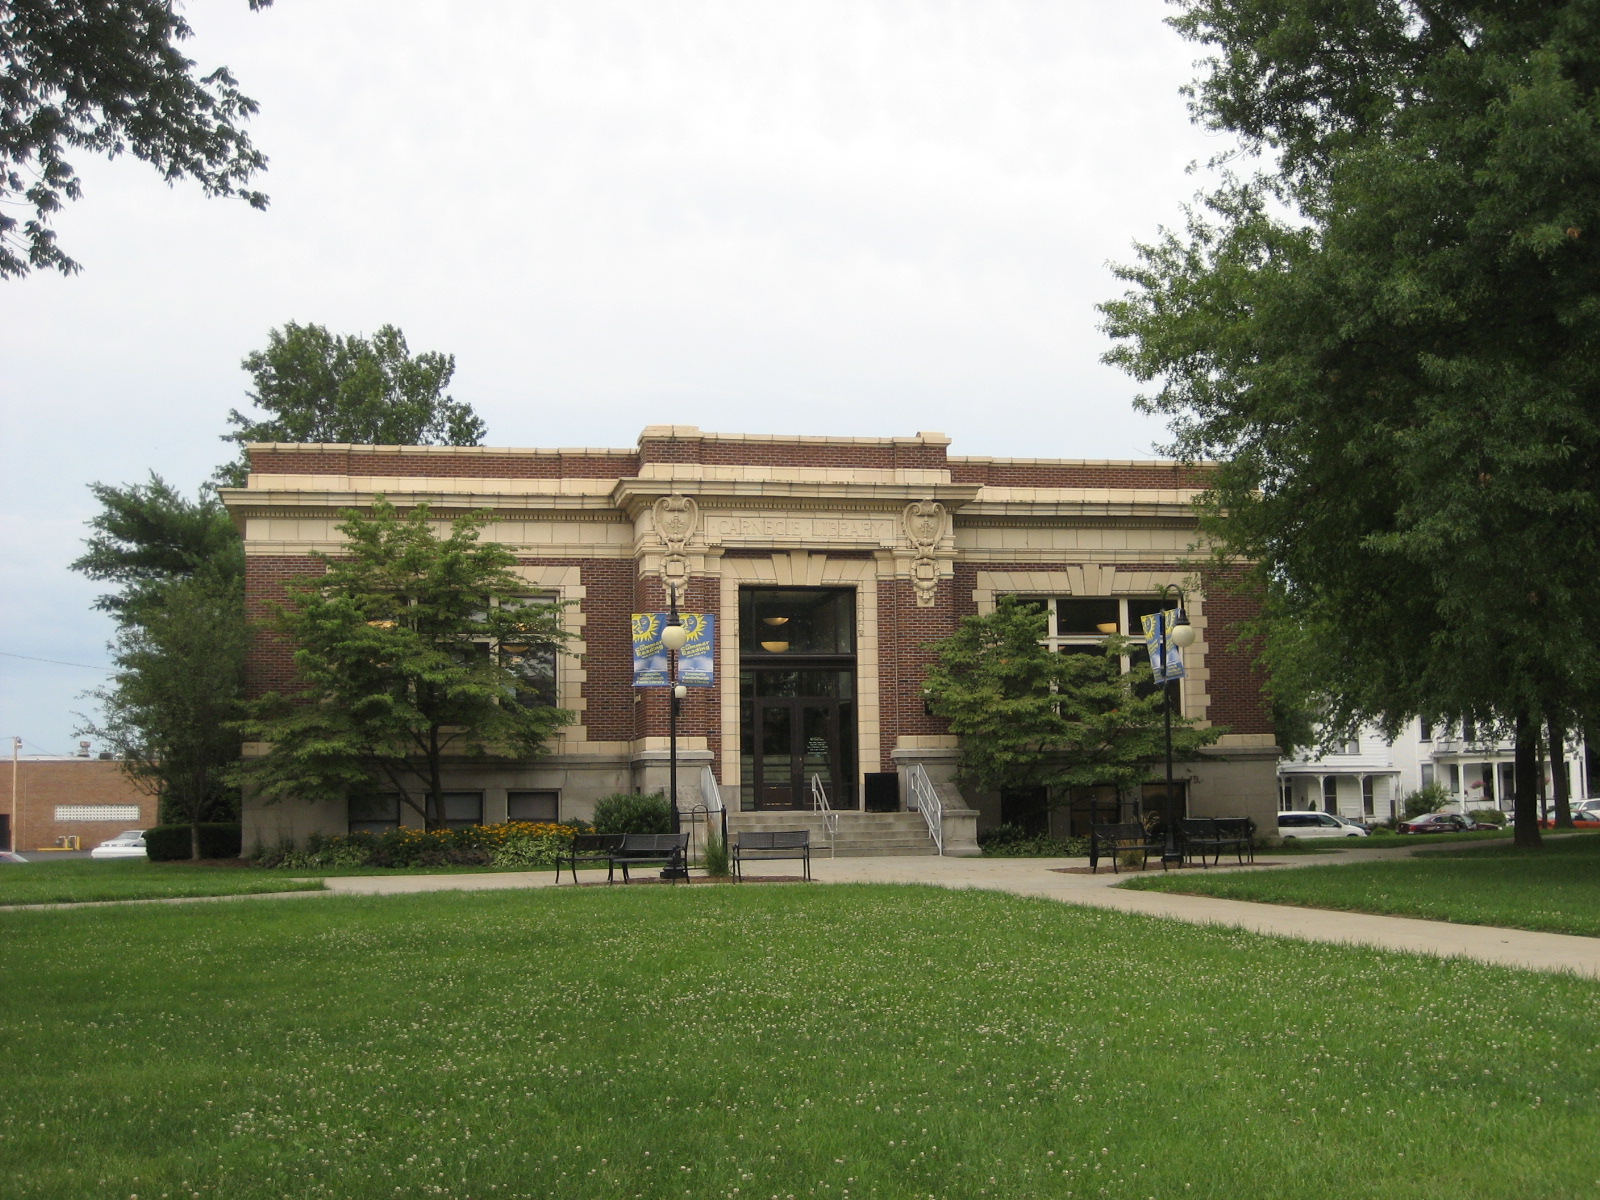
<point x="1330" y="794"/>
<point x="1369" y="797"/>
<point x="1081" y="624"/>
<point x="534" y="666"/>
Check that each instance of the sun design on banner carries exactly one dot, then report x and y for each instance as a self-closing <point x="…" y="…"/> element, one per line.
<point x="645" y="626"/>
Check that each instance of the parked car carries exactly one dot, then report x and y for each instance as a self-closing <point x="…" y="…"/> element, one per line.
<point x="1316" y="825"/>
<point x="1443" y="822"/>
<point x="10" y="856"/>
<point x="1352" y="822"/>
<point x="1587" y="810"/>
<point x="127" y="844"/>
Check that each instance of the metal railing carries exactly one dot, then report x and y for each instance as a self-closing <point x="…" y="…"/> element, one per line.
<point x="820" y="804"/>
<point x="925" y="800"/>
<point x="710" y="793"/>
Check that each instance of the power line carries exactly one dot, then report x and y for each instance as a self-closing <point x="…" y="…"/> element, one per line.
<point x="57" y="662"/>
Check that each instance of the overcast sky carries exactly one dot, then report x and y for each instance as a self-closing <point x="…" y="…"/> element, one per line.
<point x="858" y="217"/>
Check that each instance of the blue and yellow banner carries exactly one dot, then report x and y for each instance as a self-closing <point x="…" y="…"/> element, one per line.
<point x="696" y="661"/>
<point x="1157" y="629"/>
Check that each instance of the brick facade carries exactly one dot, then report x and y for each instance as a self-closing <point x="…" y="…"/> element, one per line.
<point x="48" y="785"/>
<point x="772" y="513"/>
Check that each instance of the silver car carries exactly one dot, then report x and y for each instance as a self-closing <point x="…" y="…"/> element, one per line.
<point x="1315" y="825"/>
<point x="127" y="844"/>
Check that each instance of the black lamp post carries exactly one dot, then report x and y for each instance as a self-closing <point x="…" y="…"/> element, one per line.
<point x="1181" y="634"/>
<point x="673" y="636"/>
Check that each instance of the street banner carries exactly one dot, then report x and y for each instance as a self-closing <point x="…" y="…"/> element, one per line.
<point x="1158" y="628"/>
<point x="695" y="661"/>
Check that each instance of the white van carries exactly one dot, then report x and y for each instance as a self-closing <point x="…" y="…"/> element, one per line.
<point x="1315" y="825"/>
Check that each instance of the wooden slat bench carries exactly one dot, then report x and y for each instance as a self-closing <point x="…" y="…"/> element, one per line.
<point x="764" y="844"/>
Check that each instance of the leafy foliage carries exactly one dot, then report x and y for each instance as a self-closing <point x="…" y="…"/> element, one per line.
<point x="414" y="648"/>
<point x="170" y="710"/>
<point x="179" y="650"/>
<point x="511" y="845"/>
<point x="107" y="76"/>
<point x="319" y="387"/>
<point x="216" y="839"/>
<point x="1427" y="799"/>
<point x="147" y="536"/>
<point x="1013" y="841"/>
<point x="630" y="812"/>
<point x="1028" y="717"/>
<point x="1387" y="342"/>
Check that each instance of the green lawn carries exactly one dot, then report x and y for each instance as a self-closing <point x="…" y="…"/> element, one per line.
<point x="1555" y="889"/>
<point x="77" y="879"/>
<point x="742" y="1043"/>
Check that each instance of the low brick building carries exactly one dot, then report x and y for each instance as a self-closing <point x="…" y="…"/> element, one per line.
<point x="828" y="563"/>
<point x="59" y="798"/>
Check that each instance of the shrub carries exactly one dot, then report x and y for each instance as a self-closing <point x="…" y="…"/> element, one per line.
<point x="170" y="843"/>
<point x="1424" y="800"/>
<point x="628" y="812"/>
<point x="1489" y="816"/>
<point x="514" y="844"/>
<point x="1012" y="841"/>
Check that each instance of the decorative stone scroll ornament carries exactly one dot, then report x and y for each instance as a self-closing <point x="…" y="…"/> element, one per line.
<point x="924" y="526"/>
<point x="677" y="516"/>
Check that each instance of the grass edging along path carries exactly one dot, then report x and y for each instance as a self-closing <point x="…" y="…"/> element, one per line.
<point x="1554" y="889"/>
<point x="841" y="1042"/>
<point x="82" y="880"/>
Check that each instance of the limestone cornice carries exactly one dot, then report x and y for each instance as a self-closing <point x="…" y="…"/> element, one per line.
<point x="1090" y="513"/>
<point x="252" y="503"/>
<point x="633" y="496"/>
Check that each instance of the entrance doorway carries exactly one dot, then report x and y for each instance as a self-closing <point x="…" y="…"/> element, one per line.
<point x="797" y="697"/>
<point x="796" y="739"/>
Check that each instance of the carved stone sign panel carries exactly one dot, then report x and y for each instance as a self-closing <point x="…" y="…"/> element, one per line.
<point x="800" y="530"/>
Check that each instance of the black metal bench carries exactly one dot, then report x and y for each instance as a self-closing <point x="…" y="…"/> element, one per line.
<point x="594" y="848"/>
<point x="766" y="844"/>
<point x="1114" y="841"/>
<point x="669" y="850"/>
<point x="1213" y="835"/>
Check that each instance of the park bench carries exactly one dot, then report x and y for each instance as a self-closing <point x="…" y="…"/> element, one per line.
<point x="594" y="848"/>
<point x="1213" y="835"/>
<point x="766" y="844"/>
<point x="1114" y="841"/>
<point x="669" y="850"/>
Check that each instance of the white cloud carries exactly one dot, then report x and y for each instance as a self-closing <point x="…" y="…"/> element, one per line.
<point x="831" y="216"/>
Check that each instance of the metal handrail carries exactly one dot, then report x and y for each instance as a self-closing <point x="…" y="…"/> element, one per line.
<point x="830" y="818"/>
<point x="710" y="793"/>
<point x="925" y="800"/>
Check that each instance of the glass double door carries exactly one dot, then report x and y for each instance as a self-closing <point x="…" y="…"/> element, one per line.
<point x="790" y="737"/>
<point x="798" y="739"/>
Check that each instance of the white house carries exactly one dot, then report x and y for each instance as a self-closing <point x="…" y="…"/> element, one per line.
<point x="1367" y="778"/>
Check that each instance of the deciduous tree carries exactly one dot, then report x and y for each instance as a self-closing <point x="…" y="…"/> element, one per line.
<point x="1386" y="338"/>
<point x="319" y="387"/>
<point x="107" y="76"/>
<point x="172" y="707"/>
<point x="1028" y="717"/>
<point x="414" y="648"/>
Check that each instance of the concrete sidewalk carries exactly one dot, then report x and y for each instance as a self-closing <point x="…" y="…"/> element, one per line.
<point x="1041" y="877"/>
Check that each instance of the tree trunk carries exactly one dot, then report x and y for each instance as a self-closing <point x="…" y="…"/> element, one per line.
<point x="435" y="802"/>
<point x="1525" y="817"/>
<point x="1558" y="765"/>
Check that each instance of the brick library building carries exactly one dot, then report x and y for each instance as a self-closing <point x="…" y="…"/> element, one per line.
<point x="829" y="565"/>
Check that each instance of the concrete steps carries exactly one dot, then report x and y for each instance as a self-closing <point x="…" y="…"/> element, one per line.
<point x="861" y="834"/>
